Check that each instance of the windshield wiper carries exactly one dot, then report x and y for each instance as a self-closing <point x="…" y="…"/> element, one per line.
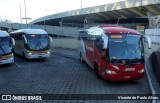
<point x="36" y="46"/>
<point x="38" y="42"/>
<point x="41" y="44"/>
<point x="135" y="60"/>
<point x="115" y="61"/>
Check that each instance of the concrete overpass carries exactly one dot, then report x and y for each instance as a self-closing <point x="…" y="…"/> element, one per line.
<point x="133" y="10"/>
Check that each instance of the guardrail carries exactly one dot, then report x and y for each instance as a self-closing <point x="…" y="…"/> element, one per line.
<point x="61" y="31"/>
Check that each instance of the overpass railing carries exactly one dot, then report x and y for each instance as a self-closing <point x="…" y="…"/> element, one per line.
<point x="56" y="30"/>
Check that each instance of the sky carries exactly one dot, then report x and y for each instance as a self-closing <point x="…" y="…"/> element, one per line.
<point x="10" y="9"/>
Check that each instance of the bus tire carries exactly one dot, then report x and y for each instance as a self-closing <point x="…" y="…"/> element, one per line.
<point x="81" y="58"/>
<point x="96" y="71"/>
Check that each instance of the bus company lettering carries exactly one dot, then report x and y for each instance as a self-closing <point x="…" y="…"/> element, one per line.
<point x="130" y="69"/>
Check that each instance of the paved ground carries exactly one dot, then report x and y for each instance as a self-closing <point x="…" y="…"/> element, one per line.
<point x="154" y="84"/>
<point x="63" y="73"/>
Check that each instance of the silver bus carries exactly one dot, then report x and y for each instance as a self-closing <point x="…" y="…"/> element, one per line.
<point x="32" y="43"/>
<point x="6" y="44"/>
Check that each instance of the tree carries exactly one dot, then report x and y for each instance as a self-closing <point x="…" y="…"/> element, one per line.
<point x="5" y="21"/>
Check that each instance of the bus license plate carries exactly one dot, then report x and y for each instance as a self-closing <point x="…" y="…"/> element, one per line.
<point x="129" y="69"/>
<point x="127" y="77"/>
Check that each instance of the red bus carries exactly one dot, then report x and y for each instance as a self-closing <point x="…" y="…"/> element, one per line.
<point x="115" y="53"/>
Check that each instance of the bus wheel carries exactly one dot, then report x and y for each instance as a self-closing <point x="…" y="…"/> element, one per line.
<point x="81" y="59"/>
<point x="96" y="71"/>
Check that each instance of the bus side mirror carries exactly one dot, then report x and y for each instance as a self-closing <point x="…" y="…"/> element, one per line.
<point x="105" y="42"/>
<point x="25" y="39"/>
<point x="148" y="41"/>
<point x="13" y="41"/>
<point x="50" y="39"/>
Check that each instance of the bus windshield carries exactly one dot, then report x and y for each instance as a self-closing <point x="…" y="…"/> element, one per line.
<point x="126" y="47"/>
<point x="5" y="48"/>
<point x="37" y="42"/>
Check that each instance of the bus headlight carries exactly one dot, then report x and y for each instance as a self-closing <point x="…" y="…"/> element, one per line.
<point x="11" y="55"/>
<point x="30" y="52"/>
<point x="141" y="71"/>
<point x="48" y="52"/>
<point x="110" y="71"/>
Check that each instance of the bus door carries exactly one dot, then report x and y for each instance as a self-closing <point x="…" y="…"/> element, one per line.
<point x="19" y="42"/>
<point x="98" y="43"/>
<point x="90" y="48"/>
<point x="98" y="47"/>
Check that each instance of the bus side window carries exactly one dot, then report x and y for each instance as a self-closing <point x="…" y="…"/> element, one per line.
<point x="85" y="35"/>
<point x="20" y="38"/>
<point x="23" y="40"/>
<point x="98" y="39"/>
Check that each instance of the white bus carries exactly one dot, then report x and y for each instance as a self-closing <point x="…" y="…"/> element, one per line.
<point x="32" y="43"/>
<point x="6" y="44"/>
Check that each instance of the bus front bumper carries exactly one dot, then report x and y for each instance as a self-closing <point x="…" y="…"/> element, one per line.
<point x="38" y="56"/>
<point x="124" y="76"/>
<point x="7" y="61"/>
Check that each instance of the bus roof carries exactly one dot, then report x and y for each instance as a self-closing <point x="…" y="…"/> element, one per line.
<point x="119" y="30"/>
<point x="115" y="29"/>
<point x="30" y="31"/>
<point x="3" y="33"/>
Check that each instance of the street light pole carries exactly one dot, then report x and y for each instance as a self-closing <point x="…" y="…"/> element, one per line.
<point x="120" y="18"/>
<point x="45" y="20"/>
<point x="60" y="24"/>
<point x="20" y="13"/>
<point x="81" y="4"/>
<point x="25" y="10"/>
<point x="85" y="21"/>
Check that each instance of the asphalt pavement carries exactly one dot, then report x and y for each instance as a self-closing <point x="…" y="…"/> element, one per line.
<point x="63" y="74"/>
